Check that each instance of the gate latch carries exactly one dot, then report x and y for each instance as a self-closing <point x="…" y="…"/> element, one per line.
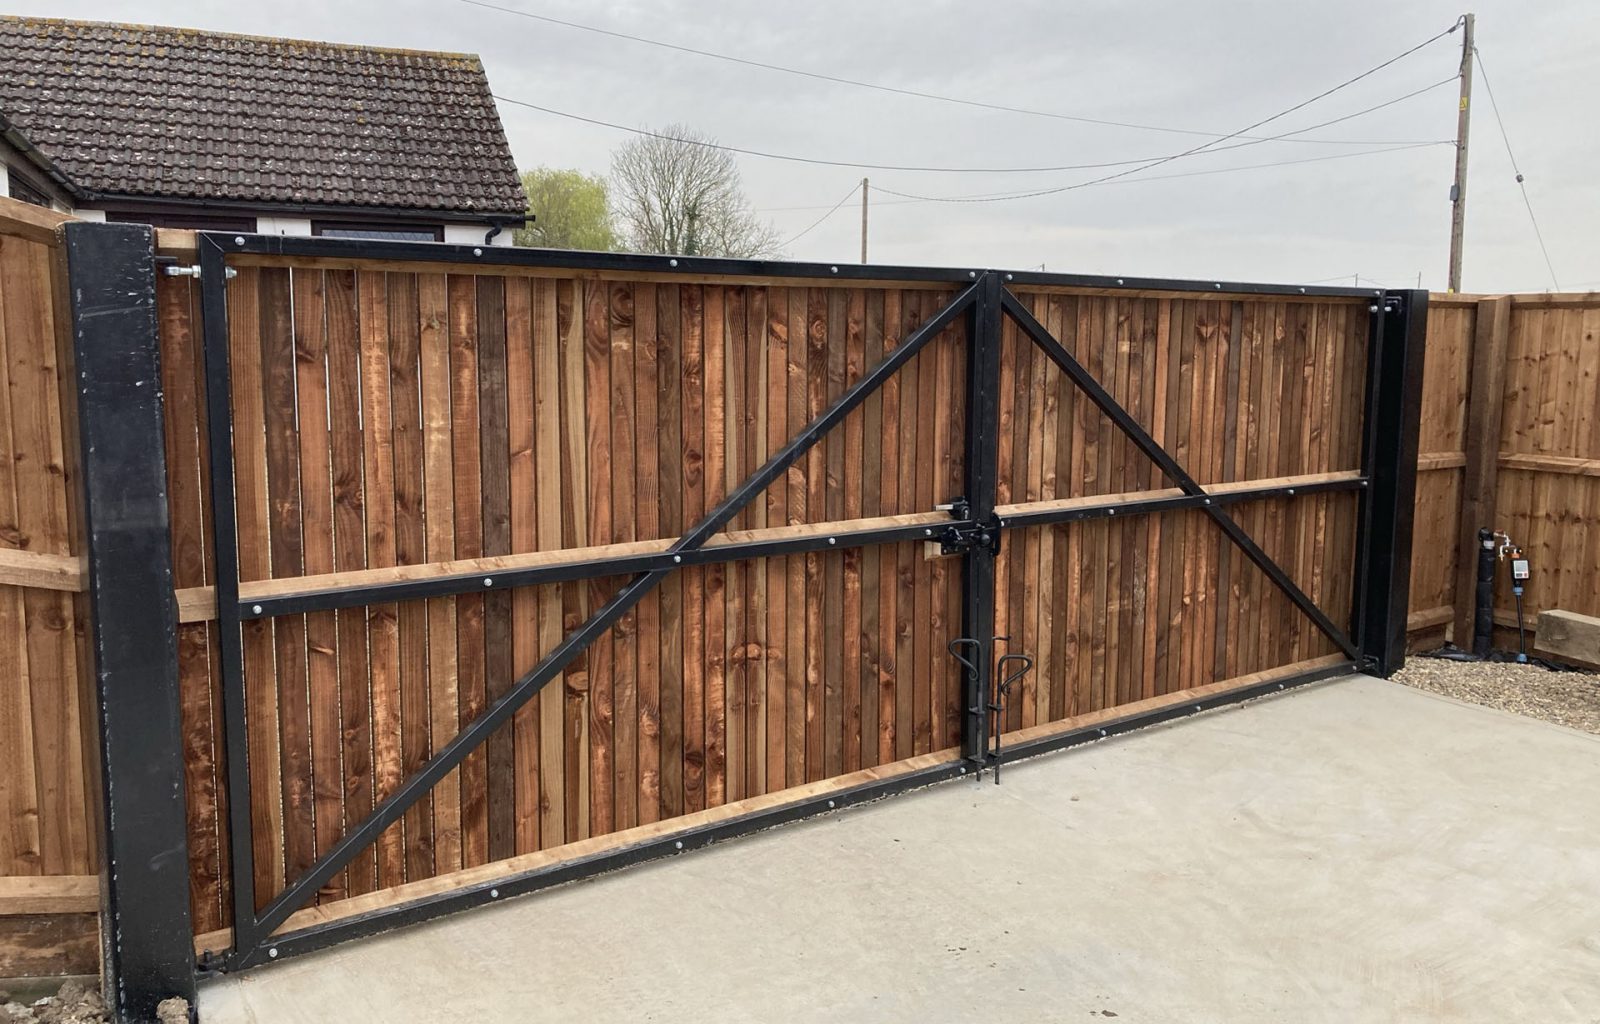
<point x="964" y="536"/>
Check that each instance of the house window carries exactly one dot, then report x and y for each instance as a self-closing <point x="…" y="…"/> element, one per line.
<point x="22" y="190"/>
<point x="186" y="221"/>
<point x="380" y="233"/>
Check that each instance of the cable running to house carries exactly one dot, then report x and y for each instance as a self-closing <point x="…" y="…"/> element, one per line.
<point x="909" y="198"/>
<point x="1219" y="149"/>
<point x="860" y="165"/>
<point x="1205" y="145"/>
<point x="1484" y="74"/>
<point x="816" y="223"/>
<point x="895" y="90"/>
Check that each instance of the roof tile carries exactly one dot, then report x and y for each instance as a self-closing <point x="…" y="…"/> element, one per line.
<point x="169" y="112"/>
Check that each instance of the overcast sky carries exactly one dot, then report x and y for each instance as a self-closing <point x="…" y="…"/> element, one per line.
<point x="1214" y="67"/>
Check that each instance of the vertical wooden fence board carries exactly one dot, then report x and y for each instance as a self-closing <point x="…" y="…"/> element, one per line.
<point x="285" y="550"/>
<point x="434" y="315"/>
<point x="182" y="366"/>
<point x="410" y="539"/>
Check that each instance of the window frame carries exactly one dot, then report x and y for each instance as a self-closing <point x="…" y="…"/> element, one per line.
<point x="36" y="196"/>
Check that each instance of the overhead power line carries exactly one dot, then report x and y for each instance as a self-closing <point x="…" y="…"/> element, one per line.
<point x="908" y="197"/>
<point x="861" y="165"/>
<point x="895" y="90"/>
<point x="814" y="224"/>
<point x="1484" y="73"/>
<point x="1219" y="149"/>
<point x="1204" y="145"/>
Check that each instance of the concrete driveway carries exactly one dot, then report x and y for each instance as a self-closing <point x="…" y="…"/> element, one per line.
<point x="1354" y="851"/>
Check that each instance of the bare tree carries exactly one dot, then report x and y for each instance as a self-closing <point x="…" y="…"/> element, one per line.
<point x="674" y="193"/>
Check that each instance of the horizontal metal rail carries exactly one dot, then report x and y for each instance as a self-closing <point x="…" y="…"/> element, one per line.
<point x="1146" y="506"/>
<point x="315" y="599"/>
<point x="609" y="262"/>
<point x="307" y="940"/>
<point x="323" y="599"/>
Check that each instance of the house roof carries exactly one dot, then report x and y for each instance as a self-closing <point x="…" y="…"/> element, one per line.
<point x="169" y="113"/>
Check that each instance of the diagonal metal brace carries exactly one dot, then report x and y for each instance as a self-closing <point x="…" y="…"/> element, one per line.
<point x="1168" y="465"/>
<point x="253" y="938"/>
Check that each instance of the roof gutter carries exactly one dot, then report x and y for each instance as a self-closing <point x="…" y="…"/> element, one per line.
<point x="499" y="224"/>
<point x="276" y="206"/>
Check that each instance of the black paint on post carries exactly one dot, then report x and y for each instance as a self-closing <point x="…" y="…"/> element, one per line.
<point x="145" y="924"/>
<point x="981" y="467"/>
<point x="1395" y="411"/>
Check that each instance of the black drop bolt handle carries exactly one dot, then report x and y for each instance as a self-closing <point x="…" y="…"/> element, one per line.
<point x="1002" y="688"/>
<point x="954" y="647"/>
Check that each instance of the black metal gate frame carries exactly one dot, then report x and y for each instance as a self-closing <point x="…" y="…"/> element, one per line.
<point x="1385" y="486"/>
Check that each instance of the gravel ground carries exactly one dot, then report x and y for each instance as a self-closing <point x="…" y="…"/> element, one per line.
<point x="1571" y="699"/>
<point x="76" y="1003"/>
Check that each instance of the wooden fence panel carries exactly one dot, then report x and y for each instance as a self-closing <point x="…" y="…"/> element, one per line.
<point x="47" y="836"/>
<point x="1545" y="488"/>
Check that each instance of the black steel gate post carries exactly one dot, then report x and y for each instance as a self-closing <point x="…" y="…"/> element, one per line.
<point x="982" y="459"/>
<point x="1394" y="410"/>
<point x="145" y="925"/>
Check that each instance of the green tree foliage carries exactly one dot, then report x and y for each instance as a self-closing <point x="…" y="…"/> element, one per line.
<point x="570" y="210"/>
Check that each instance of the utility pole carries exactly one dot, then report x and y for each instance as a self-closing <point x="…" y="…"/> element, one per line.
<point x="1458" y="191"/>
<point x="864" y="191"/>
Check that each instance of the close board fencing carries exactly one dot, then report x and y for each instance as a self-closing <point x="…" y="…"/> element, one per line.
<point x="491" y="568"/>
<point x="48" y="854"/>
<point x="1510" y="440"/>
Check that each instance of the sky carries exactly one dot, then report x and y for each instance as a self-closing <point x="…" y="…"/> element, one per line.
<point x="1338" y="210"/>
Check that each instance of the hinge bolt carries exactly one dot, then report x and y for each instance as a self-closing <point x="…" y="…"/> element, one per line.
<point x="273" y="952"/>
<point x="255" y="609"/>
<point x="488" y="581"/>
<point x="677" y="559"/>
<point x="672" y="263"/>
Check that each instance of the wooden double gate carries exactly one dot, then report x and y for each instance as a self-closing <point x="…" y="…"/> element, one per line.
<point x="492" y="568"/>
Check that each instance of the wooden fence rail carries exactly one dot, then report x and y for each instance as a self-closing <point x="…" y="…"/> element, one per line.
<point x="1510" y="441"/>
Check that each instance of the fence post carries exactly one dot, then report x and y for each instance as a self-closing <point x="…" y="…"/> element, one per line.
<point x="1395" y="408"/>
<point x="1485" y="402"/>
<point x="981" y="469"/>
<point x="146" y="934"/>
